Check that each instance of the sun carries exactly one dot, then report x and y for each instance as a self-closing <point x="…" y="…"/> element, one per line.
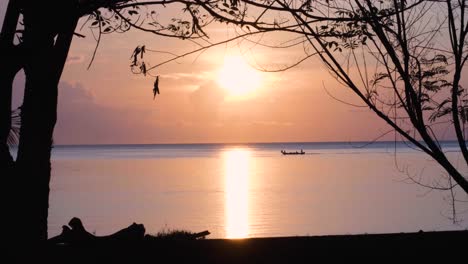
<point x="237" y="77"/>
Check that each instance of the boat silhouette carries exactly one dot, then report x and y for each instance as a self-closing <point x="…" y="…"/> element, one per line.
<point x="293" y="153"/>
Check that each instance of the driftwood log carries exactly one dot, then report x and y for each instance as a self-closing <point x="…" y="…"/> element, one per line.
<point x="76" y="234"/>
<point x="201" y="235"/>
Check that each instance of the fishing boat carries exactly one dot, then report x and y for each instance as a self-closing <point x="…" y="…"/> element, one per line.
<point x="293" y="153"/>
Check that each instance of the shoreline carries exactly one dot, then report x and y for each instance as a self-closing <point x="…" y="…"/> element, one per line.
<point x="424" y="245"/>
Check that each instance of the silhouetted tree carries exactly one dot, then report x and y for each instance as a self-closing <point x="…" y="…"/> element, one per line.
<point x="36" y="37"/>
<point x="41" y="53"/>
<point x="402" y="58"/>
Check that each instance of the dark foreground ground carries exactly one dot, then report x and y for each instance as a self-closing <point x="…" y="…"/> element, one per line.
<point x="422" y="246"/>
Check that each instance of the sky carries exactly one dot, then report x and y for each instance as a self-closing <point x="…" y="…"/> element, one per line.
<point x="107" y="104"/>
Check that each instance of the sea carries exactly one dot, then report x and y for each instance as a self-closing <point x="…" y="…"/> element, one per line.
<point x="252" y="190"/>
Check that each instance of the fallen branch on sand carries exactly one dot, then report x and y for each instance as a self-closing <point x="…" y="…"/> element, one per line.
<point x="76" y="234"/>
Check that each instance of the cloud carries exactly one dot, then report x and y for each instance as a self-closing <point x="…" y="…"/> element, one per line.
<point x="206" y="100"/>
<point x="184" y="80"/>
<point x="81" y="120"/>
<point x="75" y="59"/>
<point x="183" y="76"/>
<point x="272" y="123"/>
<point x="75" y="93"/>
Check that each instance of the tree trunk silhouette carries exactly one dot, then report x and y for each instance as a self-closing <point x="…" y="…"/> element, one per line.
<point x="47" y="39"/>
<point x="42" y="54"/>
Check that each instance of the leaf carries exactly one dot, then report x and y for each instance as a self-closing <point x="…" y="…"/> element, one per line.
<point x="156" y="87"/>
<point x="143" y="68"/>
<point x="143" y="50"/>
<point x="136" y="52"/>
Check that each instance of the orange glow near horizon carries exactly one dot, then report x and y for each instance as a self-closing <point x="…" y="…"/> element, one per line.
<point x="237" y="77"/>
<point x="236" y="193"/>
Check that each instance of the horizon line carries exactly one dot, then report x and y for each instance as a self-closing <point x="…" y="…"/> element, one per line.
<point x="244" y="143"/>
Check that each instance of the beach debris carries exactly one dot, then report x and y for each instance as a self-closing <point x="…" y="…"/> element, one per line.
<point x="76" y="234"/>
<point x="201" y="235"/>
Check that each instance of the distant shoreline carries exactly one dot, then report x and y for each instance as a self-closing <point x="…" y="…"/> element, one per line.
<point x="248" y="143"/>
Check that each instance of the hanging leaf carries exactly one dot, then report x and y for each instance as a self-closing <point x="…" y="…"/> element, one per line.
<point x="142" y="49"/>
<point x="135" y="54"/>
<point x="156" y="87"/>
<point x="143" y="68"/>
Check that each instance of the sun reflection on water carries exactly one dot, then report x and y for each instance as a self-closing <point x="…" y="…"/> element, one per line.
<point x="236" y="192"/>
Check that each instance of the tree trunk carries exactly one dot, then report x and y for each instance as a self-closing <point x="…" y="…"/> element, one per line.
<point x="38" y="116"/>
<point x="43" y="67"/>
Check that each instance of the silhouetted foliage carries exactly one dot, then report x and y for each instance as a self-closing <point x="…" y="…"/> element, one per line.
<point x="13" y="137"/>
<point x="173" y="234"/>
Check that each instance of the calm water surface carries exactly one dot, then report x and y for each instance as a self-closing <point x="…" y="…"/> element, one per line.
<point x="249" y="190"/>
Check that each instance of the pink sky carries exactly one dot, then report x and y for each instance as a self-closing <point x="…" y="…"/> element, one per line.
<point x="109" y="105"/>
